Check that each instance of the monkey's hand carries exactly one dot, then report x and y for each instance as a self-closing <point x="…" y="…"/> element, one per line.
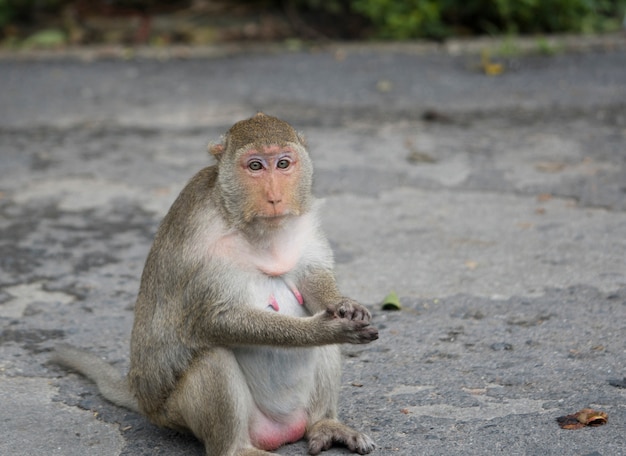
<point x="353" y="322"/>
<point x="351" y="310"/>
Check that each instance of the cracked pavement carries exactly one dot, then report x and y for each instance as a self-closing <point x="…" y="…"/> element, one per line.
<point x="494" y="206"/>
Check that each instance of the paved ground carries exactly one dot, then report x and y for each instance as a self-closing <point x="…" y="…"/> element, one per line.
<point x="494" y="206"/>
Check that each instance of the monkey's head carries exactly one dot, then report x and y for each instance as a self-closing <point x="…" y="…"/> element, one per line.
<point x="264" y="172"/>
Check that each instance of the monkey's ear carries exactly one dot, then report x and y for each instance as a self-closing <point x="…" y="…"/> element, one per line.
<point x="301" y="138"/>
<point x="216" y="150"/>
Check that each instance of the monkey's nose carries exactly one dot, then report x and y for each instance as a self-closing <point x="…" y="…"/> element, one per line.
<point x="276" y="206"/>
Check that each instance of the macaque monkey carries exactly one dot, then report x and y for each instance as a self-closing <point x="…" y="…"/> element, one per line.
<point x="238" y="315"/>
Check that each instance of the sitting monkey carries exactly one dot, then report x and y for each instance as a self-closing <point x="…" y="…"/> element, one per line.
<point x="238" y="314"/>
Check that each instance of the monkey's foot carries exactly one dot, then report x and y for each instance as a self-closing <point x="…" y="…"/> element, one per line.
<point x="323" y="434"/>
<point x="254" y="452"/>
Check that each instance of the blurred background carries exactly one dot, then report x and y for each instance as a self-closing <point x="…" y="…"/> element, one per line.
<point x="495" y="207"/>
<point x="61" y="23"/>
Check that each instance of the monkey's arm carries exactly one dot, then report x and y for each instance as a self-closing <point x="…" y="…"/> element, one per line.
<point x="238" y="324"/>
<point x="320" y="292"/>
<point x="315" y="280"/>
<point x="319" y="289"/>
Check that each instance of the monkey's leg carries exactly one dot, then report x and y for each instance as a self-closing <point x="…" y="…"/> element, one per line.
<point x="325" y="429"/>
<point x="323" y="434"/>
<point x="213" y="401"/>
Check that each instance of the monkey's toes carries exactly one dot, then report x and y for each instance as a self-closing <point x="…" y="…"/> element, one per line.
<point x="362" y="444"/>
<point x="327" y="432"/>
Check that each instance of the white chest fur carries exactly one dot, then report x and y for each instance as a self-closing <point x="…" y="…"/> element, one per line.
<point x="282" y="296"/>
<point x="283" y="250"/>
<point x="283" y="373"/>
<point x="282" y="380"/>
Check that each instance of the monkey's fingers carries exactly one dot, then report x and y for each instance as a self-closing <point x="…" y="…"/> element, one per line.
<point x="348" y="331"/>
<point x="352" y="310"/>
<point x="362" y="332"/>
<point x="368" y="334"/>
<point x="361" y="313"/>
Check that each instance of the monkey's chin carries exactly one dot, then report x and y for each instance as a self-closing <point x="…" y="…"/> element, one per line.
<point x="273" y="222"/>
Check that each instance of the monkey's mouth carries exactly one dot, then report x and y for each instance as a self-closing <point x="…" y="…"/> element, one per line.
<point x="274" y="219"/>
<point x="275" y="213"/>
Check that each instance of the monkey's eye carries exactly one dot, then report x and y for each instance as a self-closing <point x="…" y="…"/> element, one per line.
<point x="283" y="164"/>
<point x="255" y="165"/>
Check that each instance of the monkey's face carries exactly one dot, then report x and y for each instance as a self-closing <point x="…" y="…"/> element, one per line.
<point x="275" y="182"/>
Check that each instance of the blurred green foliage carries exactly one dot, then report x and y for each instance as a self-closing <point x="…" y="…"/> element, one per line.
<point x="393" y="19"/>
<point x="25" y="11"/>
<point x="404" y="19"/>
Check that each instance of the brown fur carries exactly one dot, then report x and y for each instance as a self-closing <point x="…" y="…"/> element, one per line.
<point x="207" y="353"/>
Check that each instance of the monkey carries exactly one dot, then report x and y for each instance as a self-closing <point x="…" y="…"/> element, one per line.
<point x="238" y="318"/>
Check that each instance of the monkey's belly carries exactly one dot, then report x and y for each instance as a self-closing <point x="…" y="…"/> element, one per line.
<point x="281" y="385"/>
<point x="268" y="434"/>
<point x="279" y="379"/>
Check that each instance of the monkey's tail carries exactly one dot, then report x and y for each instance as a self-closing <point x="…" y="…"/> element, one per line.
<point x="111" y="384"/>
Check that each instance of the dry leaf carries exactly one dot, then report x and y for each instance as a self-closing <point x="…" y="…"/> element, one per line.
<point x="340" y="55"/>
<point x="582" y="418"/>
<point x="550" y="167"/>
<point x="490" y="67"/>
<point x="590" y="417"/>
<point x="543" y="197"/>
<point x="384" y="85"/>
<point x="415" y="156"/>
<point x="475" y="391"/>
<point x="405" y="411"/>
<point x="493" y="69"/>
<point x="471" y="265"/>
<point x="569" y="422"/>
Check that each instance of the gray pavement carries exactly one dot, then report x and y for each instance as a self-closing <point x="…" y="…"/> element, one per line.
<point x="494" y="206"/>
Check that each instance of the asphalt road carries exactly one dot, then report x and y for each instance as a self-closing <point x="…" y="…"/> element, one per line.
<point x="495" y="206"/>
